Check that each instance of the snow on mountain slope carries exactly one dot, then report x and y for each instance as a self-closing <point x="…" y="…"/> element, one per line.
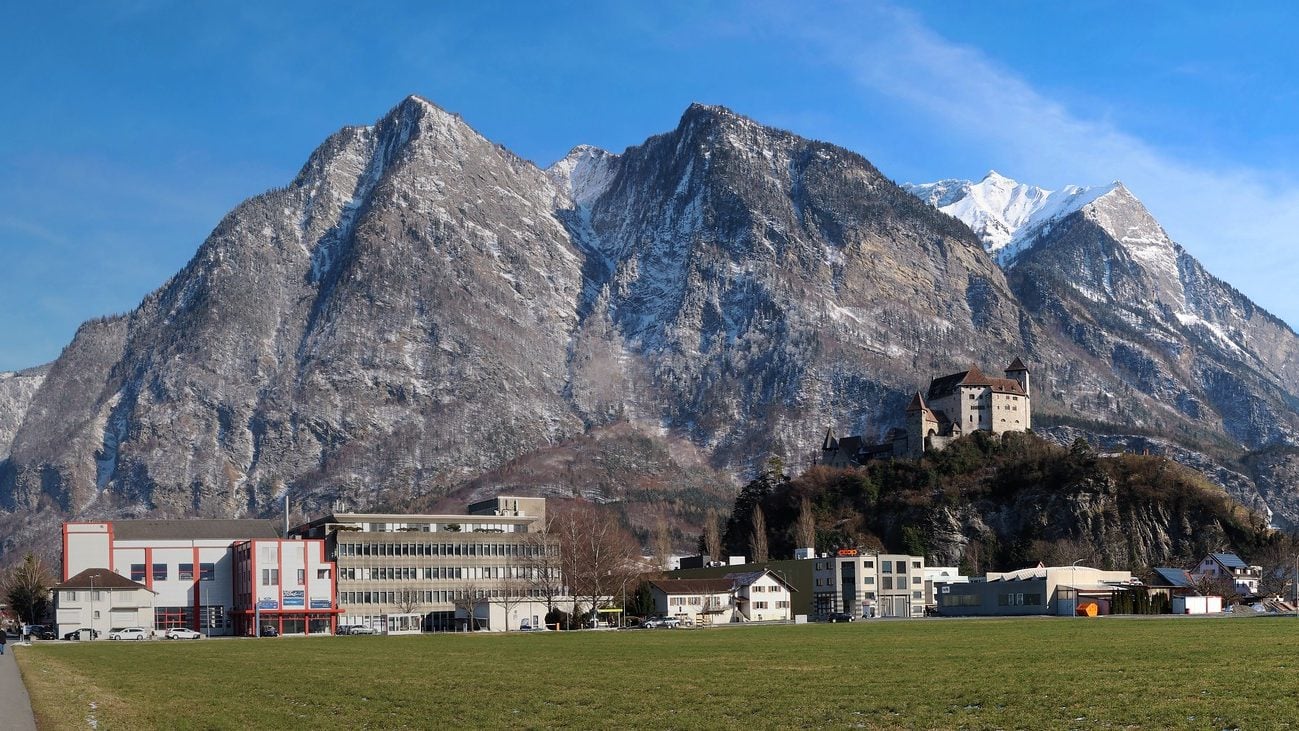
<point x="1005" y="214"/>
<point x="994" y="208"/>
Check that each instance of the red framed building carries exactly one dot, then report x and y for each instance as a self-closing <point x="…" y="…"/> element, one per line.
<point x="285" y="584"/>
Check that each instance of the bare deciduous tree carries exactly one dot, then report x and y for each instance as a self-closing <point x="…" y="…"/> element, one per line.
<point x="542" y="568"/>
<point x="713" y="535"/>
<point x="596" y="554"/>
<point x="1278" y="564"/>
<point x="758" y="540"/>
<point x="470" y="598"/>
<point x="662" y="541"/>
<point x="805" y="528"/>
<point x="407" y="599"/>
<point x="512" y="593"/>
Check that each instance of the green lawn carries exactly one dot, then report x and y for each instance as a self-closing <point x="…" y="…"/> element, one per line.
<point x="943" y="674"/>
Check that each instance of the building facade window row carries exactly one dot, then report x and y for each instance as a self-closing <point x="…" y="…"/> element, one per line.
<point x="349" y="549"/>
<point x="434" y="573"/>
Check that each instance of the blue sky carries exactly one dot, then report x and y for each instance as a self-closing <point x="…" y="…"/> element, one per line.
<point x="132" y="127"/>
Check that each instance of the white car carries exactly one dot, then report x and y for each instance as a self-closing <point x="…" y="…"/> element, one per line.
<point x="361" y="629"/>
<point x="129" y="633"/>
<point x="181" y="633"/>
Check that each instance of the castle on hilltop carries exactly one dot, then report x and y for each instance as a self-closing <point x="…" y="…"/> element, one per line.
<point x="955" y="405"/>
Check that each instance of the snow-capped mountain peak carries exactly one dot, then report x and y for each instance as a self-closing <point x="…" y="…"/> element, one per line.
<point x="995" y="208"/>
<point x="1008" y="216"/>
<point x="584" y="173"/>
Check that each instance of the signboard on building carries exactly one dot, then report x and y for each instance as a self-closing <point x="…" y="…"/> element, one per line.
<point x="847" y="552"/>
<point x="268" y="604"/>
<point x="294" y="598"/>
<point x="320" y="604"/>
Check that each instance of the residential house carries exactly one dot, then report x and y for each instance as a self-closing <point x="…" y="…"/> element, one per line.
<point x="102" y="600"/>
<point x="1244" y="578"/>
<point x="754" y="596"/>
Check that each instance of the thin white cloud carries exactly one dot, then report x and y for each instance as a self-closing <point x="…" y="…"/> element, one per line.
<point x="1239" y="221"/>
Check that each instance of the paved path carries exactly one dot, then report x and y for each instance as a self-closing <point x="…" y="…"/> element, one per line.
<point x="15" y="706"/>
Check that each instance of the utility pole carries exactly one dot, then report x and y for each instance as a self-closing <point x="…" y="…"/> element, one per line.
<point x="92" y="605"/>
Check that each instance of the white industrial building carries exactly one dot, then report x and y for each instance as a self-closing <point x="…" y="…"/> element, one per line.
<point x="188" y="568"/>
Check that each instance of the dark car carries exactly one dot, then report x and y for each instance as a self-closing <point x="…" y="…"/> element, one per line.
<point x="269" y="631"/>
<point x="840" y="617"/>
<point x="41" y="632"/>
<point x="76" y="633"/>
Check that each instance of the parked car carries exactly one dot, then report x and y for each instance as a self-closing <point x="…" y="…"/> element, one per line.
<point x="344" y="629"/>
<point x="657" y="622"/>
<point x="269" y="631"/>
<point x="183" y="633"/>
<point x="361" y="629"/>
<point x="840" y="617"/>
<point x="76" y="633"/>
<point x="129" y="633"/>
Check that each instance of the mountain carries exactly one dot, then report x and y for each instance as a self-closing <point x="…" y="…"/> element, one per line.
<point x="421" y="313"/>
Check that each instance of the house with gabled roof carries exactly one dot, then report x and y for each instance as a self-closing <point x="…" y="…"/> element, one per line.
<point x="757" y="596"/>
<point x="101" y="599"/>
<point x="954" y="405"/>
<point x="1228" y="565"/>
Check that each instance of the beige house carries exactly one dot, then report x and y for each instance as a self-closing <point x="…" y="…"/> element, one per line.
<point x="101" y="600"/>
<point x="955" y="405"/>
<point x="755" y="596"/>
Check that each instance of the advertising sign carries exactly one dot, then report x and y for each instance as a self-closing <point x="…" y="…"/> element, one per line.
<point x="268" y="604"/>
<point x="320" y="604"/>
<point x="295" y="598"/>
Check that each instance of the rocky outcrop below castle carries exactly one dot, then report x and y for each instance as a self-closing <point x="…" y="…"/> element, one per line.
<point x="994" y="504"/>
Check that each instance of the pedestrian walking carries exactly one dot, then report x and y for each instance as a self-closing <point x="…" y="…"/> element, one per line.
<point x="4" y="637"/>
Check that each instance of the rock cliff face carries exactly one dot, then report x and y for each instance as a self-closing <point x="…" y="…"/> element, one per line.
<point x="16" y="393"/>
<point x="420" y="307"/>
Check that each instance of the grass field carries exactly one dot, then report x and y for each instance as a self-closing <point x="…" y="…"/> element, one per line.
<point x="942" y="674"/>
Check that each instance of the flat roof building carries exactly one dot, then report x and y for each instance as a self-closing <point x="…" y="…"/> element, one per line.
<point x="189" y="567"/>
<point x="393" y="564"/>
<point x="1040" y="590"/>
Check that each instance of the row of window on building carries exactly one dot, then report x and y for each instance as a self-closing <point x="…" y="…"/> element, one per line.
<point x="375" y="527"/>
<point x="162" y="572"/>
<point x="425" y="596"/>
<point x="433" y="573"/>
<point x="438" y="549"/>
<point x="886" y="567"/>
<point x="888" y="582"/>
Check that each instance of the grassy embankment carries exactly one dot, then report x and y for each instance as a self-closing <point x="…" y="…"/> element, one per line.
<point x="1027" y="673"/>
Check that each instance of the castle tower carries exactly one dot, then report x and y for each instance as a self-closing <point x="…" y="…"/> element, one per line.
<point x="921" y="423"/>
<point x="1018" y="372"/>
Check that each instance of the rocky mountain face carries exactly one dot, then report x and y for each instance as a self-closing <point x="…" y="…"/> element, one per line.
<point x="420" y="308"/>
<point x="1001" y="504"/>
<point x="16" y="393"/>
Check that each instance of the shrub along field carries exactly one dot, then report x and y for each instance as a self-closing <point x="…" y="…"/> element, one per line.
<point x="943" y="674"/>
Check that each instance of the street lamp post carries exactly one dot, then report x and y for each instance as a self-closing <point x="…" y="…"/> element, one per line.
<point x="1073" y="581"/>
<point x="92" y="605"/>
